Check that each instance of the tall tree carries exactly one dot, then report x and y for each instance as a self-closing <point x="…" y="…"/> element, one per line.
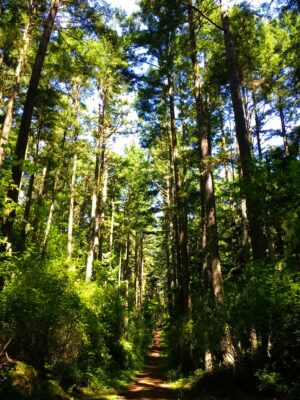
<point x="23" y="134"/>
<point x="7" y="123"/>
<point x="243" y="137"/>
<point x="75" y="99"/>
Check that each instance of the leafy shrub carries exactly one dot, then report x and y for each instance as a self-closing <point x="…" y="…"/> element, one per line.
<point x="66" y="328"/>
<point x="42" y="310"/>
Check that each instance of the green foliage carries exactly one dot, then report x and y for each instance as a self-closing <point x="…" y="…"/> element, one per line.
<point x="180" y="340"/>
<point x="62" y="331"/>
<point x="46" y="324"/>
<point x="23" y="377"/>
<point x="267" y="298"/>
<point x="60" y="324"/>
<point x="274" y="383"/>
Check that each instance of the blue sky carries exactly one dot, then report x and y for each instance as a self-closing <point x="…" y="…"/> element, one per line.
<point x="127" y="5"/>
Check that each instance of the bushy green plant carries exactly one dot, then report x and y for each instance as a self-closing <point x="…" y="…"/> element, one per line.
<point x="43" y="312"/>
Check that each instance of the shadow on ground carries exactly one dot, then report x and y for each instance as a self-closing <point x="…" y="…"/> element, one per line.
<point x="150" y="384"/>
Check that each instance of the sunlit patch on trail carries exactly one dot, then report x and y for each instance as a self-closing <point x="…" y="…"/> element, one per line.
<point x="150" y="385"/>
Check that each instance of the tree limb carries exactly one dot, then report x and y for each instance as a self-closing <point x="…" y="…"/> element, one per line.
<point x="10" y="360"/>
<point x="203" y="15"/>
<point x="5" y="347"/>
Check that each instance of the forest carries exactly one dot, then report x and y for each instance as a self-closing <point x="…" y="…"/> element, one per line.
<point x="149" y="200"/>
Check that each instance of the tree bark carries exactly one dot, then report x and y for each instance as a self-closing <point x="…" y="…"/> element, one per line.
<point x="141" y="273"/>
<point x="43" y="180"/>
<point x="210" y="244"/>
<point x="29" y="195"/>
<point x="23" y="135"/>
<point x="173" y="218"/>
<point x="103" y="202"/>
<point x="41" y="192"/>
<point x="257" y="127"/>
<point x="97" y="191"/>
<point x="83" y="206"/>
<point x="245" y="232"/>
<point x="243" y="139"/>
<point x="53" y="199"/>
<point x="120" y="268"/>
<point x="75" y="96"/>
<point x="112" y="228"/>
<point x="127" y="270"/>
<point x="182" y="256"/>
<point x="283" y="127"/>
<point x="139" y="277"/>
<point x="224" y="146"/>
<point x="170" y="277"/>
<point x="211" y="265"/>
<point x="7" y="124"/>
<point x="93" y="240"/>
<point x="2" y="83"/>
<point x="136" y="269"/>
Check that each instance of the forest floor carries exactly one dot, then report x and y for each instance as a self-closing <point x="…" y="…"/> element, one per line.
<point x="150" y="384"/>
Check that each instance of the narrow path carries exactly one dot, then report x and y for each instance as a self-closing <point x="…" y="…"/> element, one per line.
<point x="150" y="385"/>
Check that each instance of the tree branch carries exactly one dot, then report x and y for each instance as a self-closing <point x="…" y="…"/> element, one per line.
<point x="203" y="15"/>
<point x="5" y="347"/>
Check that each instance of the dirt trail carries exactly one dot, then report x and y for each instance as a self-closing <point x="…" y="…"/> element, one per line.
<point x="150" y="385"/>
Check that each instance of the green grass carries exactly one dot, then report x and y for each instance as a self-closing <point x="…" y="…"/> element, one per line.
<point x="105" y="389"/>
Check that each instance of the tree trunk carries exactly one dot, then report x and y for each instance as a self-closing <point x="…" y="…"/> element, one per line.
<point x="141" y="273"/>
<point x="184" y="207"/>
<point x="224" y="146"/>
<point x="173" y="219"/>
<point x="182" y="256"/>
<point x="136" y="270"/>
<point x="257" y="127"/>
<point x="211" y="266"/>
<point x="75" y="96"/>
<point x="93" y="240"/>
<point x="28" y="202"/>
<point x="139" y="278"/>
<point x="242" y="134"/>
<point x="245" y="232"/>
<point x="120" y="268"/>
<point x="103" y="201"/>
<point x="98" y="182"/>
<point x="7" y="124"/>
<point x="43" y="180"/>
<point x="84" y="203"/>
<point x="23" y="135"/>
<point x="247" y="115"/>
<point x="283" y="127"/>
<point x="170" y="278"/>
<point x="2" y="82"/>
<point x="53" y="200"/>
<point x="41" y="192"/>
<point x="127" y="271"/>
<point x="270" y="243"/>
<point x="210" y="243"/>
<point x="111" y="231"/>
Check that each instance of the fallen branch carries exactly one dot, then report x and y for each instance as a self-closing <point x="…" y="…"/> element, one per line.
<point x="10" y="360"/>
<point x="5" y="347"/>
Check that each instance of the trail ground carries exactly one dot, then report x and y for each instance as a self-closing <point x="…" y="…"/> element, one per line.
<point x="150" y="384"/>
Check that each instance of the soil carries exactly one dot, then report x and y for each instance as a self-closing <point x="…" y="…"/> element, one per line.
<point x="150" y="384"/>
